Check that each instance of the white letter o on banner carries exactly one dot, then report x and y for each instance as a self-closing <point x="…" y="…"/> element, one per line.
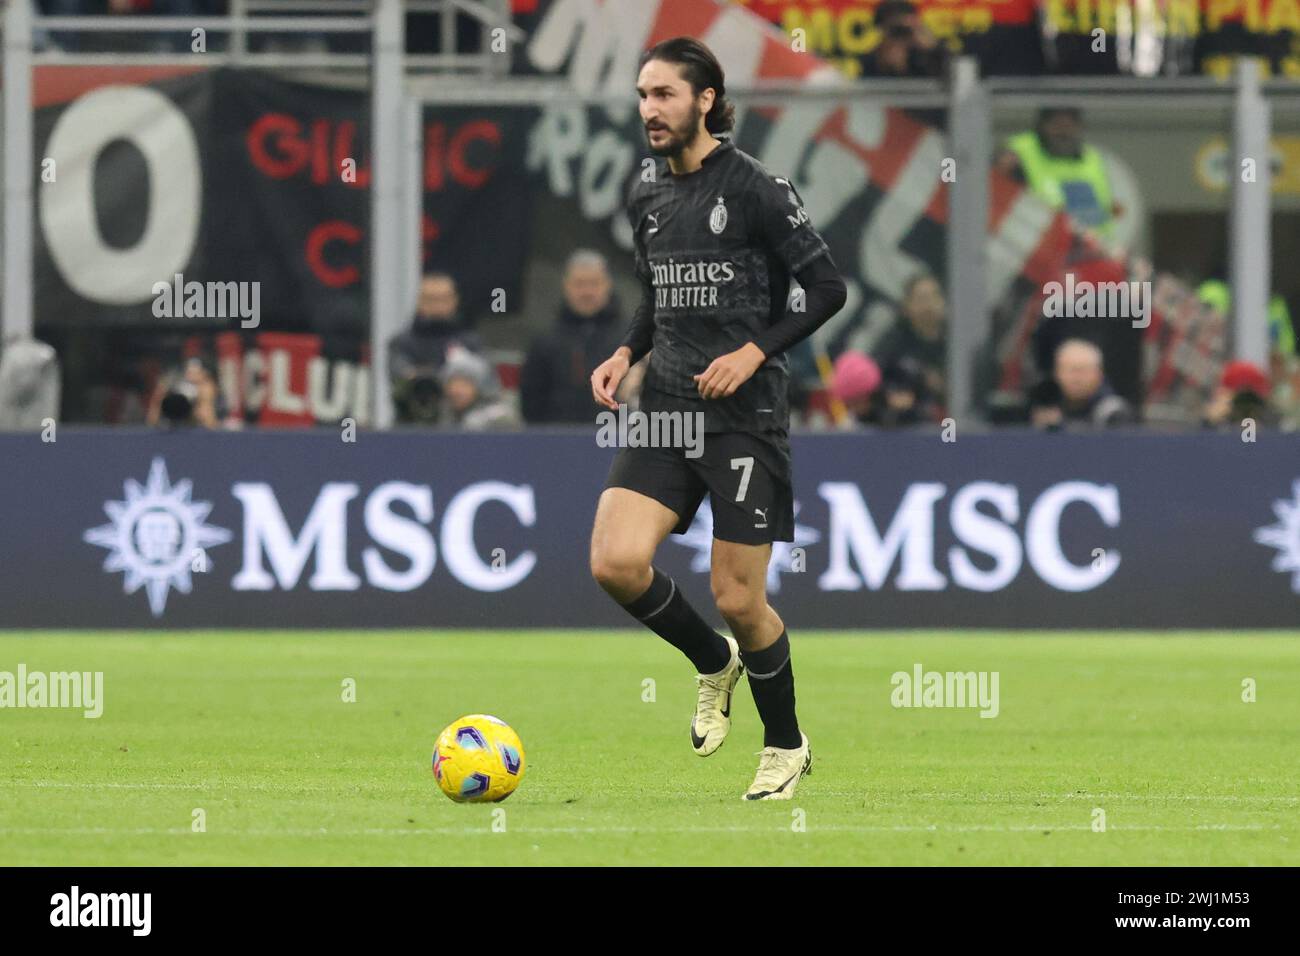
<point x="155" y="126"/>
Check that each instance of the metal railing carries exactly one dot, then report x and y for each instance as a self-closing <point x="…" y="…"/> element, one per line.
<point x="300" y="19"/>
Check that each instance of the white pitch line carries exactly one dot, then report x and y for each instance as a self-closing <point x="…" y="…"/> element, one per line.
<point x="975" y="796"/>
<point x="268" y="787"/>
<point x="526" y="831"/>
<point x="980" y="796"/>
<point x="1230" y="798"/>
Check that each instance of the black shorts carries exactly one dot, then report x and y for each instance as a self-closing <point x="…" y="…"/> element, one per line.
<point x="747" y="477"/>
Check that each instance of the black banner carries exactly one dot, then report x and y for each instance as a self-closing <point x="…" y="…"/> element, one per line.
<point x="238" y="176"/>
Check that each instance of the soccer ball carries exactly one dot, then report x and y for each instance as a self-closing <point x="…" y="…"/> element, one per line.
<point x="478" y="759"/>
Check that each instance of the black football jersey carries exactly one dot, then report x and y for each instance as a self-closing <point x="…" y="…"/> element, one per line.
<point x="719" y="246"/>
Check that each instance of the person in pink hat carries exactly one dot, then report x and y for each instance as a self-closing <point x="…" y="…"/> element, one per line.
<point x="854" y="382"/>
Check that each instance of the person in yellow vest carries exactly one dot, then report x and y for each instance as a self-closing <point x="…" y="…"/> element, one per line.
<point x="1053" y="160"/>
<point x="1281" y="333"/>
<point x="1283" y="363"/>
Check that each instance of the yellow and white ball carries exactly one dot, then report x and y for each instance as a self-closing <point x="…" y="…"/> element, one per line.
<point x="478" y="759"/>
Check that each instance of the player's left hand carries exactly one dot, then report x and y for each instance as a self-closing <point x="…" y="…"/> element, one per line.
<point x="726" y="373"/>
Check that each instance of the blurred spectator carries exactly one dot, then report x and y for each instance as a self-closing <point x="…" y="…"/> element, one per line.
<point x="1053" y="160"/>
<point x="555" y="382"/>
<point x="907" y="48"/>
<point x="1243" y="392"/>
<point x="1119" y="339"/>
<point x="893" y="398"/>
<point x="919" y="336"/>
<point x="1281" y="333"/>
<point x="855" y="381"/>
<point x="152" y="40"/>
<point x="1086" y="400"/>
<point x="187" y="398"/>
<point x="29" y="385"/>
<point x="472" y="399"/>
<point x="416" y="356"/>
<point x="1045" y="405"/>
<point x="70" y="8"/>
<point x="908" y="398"/>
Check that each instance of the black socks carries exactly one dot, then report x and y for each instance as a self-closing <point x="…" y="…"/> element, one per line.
<point x="664" y="610"/>
<point x="771" y="680"/>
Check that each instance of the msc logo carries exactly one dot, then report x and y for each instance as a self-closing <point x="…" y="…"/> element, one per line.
<point x="1285" y="536"/>
<point x="155" y="536"/>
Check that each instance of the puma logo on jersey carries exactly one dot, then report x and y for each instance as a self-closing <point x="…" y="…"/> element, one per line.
<point x="799" y="217"/>
<point x="654" y="217"/>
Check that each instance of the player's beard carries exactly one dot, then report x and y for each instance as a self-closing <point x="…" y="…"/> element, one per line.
<point x="681" y="137"/>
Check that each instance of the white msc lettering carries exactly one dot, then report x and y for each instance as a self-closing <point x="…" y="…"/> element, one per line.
<point x="985" y="534"/>
<point x="911" y="532"/>
<point x="397" y="533"/>
<point x="324" y="533"/>
<point x="855" y="542"/>
<point x="458" y="548"/>
<point x="1043" y="534"/>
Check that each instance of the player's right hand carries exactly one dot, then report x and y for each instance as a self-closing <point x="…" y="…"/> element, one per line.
<point x="605" y="380"/>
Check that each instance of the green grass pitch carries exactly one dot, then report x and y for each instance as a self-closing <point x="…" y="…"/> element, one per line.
<point x="252" y="729"/>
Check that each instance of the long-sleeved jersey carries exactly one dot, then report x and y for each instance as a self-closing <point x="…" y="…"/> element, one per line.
<point x="715" y="252"/>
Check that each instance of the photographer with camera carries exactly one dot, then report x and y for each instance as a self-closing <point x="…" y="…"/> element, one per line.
<point x="907" y="48"/>
<point x="416" y="356"/>
<point x="187" y="398"/>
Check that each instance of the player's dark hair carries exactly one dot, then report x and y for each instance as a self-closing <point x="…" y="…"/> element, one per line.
<point x="701" y="69"/>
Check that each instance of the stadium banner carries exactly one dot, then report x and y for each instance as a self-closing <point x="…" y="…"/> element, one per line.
<point x="198" y="179"/>
<point x="1001" y="34"/>
<point x="1171" y="37"/>
<point x="289" y="380"/>
<point x="190" y="529"/>
<point x="1267" y="31"/>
